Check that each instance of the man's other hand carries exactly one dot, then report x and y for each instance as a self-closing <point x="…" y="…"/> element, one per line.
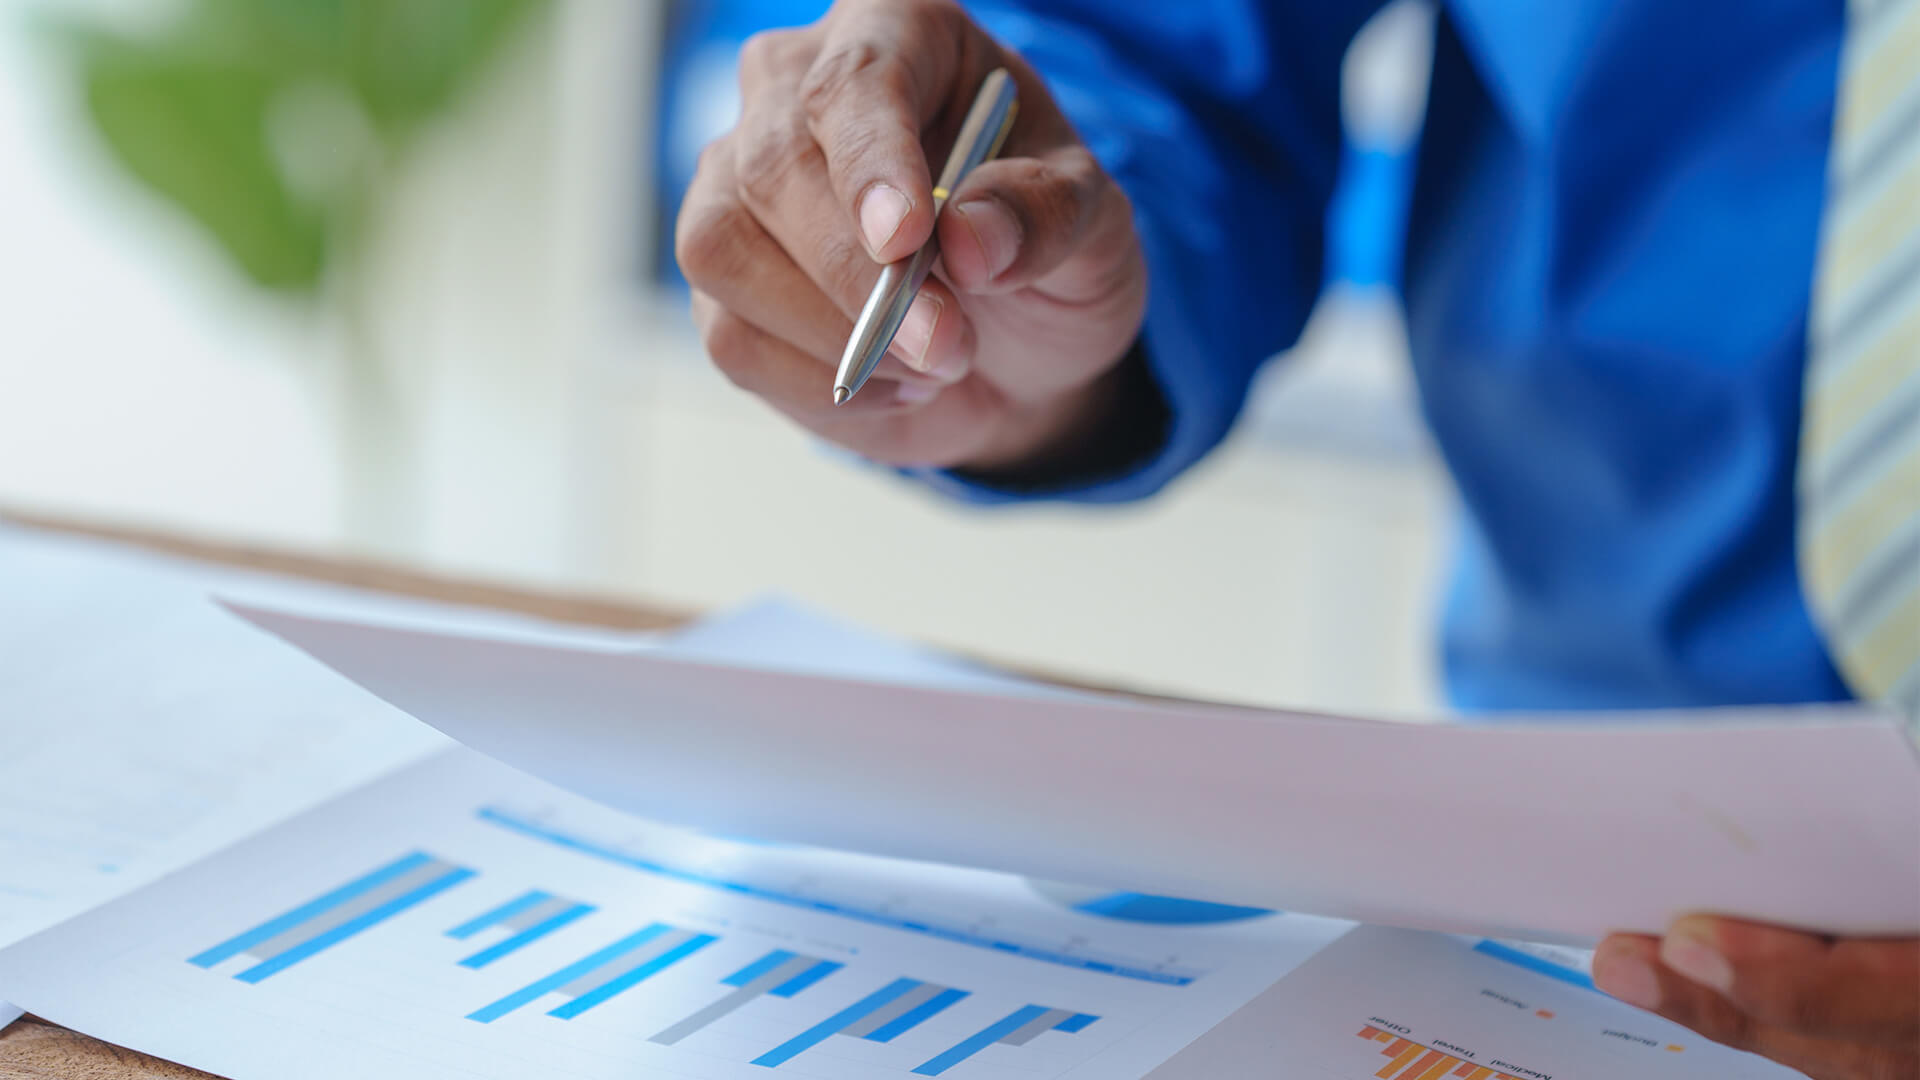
<point x="1835" y="1009"/>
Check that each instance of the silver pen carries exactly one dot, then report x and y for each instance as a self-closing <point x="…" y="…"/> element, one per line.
<point x="986" y="127"/>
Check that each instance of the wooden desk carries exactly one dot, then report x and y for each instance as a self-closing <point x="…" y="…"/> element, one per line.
<point x="33" y="1049"/>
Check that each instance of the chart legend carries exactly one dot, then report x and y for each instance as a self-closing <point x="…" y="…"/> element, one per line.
<point x="1411" y="1061"/>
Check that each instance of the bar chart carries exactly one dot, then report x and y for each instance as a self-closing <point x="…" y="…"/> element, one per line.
<point x="580" y="942"/>
<point x="333" y="917"/>
<point x="882" y="1015"/>
<point x="776" y="888"/>
<point x="519" y="922"/>
<point x="780" y="973"/>
<point x="1387" y="1004"/>
<point x="526" y="917"/>
<point x="1018" y="1028"/>
<point x="601" y="975"/>
<point x="1411" y="1061"/>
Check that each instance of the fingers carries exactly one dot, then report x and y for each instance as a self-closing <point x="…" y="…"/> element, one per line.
<point x="792" y="381"/>
<point x="935" y="339"/>
<point x="1856" y="988"/>
<point x="1628" y="967"/>
<point x="1632" y="968"/>
<point x="906" y="421"/>
<point x="826" y="177"/>
<point x="886" y="70"/>
<point x="782" y="181"/>
<point x="727" y="251"/>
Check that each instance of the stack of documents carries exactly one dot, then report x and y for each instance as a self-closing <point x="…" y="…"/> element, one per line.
<point x="692" y="862"/>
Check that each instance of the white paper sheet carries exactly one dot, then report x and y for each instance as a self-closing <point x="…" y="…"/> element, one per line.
<point x="432" y="975"/>
<point x="430" y="978"/>
<point x="1548" y="832"/>
<point x="141" y="727"/>
<point x="775" y="634"/>
<point x="9" y="1013"/>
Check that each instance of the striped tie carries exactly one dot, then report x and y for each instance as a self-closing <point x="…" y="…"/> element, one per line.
<point x="1859" y="481"/>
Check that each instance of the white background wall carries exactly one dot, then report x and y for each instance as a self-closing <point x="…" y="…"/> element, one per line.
<point x="564" y="431"/>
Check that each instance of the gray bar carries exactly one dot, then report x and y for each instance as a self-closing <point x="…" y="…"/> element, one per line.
<point x="734" y="1000"/>
<point x="620" y="965"/>
<point x="293" y="936"/>
<point x="1046" y="1021"/>
<point x="884" y="1015"/>
<point x="528" y="918"/>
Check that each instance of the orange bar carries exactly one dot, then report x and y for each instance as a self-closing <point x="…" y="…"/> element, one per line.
<point x="1369" y="1031"/>
<point x="1393" y="1066"/>
<point x="1393" y="1049"/>
<point x="1418" y="1068"/>
<point x="1440" y="1069"/>
<point x="1465" y="1069"/>
<point x="1481" y="1073"/>
<point x="1386" y="1036"/>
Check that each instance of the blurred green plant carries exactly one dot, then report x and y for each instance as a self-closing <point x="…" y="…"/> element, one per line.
<point x="277" y="125"/>
<point x="280" y="127"/>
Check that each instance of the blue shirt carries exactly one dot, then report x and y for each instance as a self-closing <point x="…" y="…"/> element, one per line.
<point x="1608" y="263"/>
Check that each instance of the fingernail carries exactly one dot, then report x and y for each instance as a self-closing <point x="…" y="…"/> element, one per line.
<point x="882" y="209"/>
<point x="1627" y="977"/>
<point x="997" y="230"/>
<point x="916" y="331"/>
<point x="916" y="393"/>
<point x="1697" y="960"/>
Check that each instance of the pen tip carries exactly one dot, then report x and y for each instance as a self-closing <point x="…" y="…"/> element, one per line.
<point x="841" y="394"/>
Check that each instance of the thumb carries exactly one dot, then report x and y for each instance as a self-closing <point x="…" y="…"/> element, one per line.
<point x="1018" y="221"/>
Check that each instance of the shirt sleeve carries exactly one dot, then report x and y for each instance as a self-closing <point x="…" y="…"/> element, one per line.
<point x="1220" y="119"/>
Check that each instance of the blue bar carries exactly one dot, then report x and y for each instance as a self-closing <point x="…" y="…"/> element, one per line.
<point x="906" y="1021"/>
<point x="530" y="934"/>
<point x="565" y="975"/>
<point x="632" y="978"/>
<point x="834" y="1024"/>
<point x="993" y="1033"/>
<point x="1167" y="910"/>
<point x="274" y="927"/>
<point x="957" y="936"/>
<point x="505" y="911"/>
<point x="1534" y="963"/>
<point x="805" y="979"/>
<point x="758" y="968"/>
<point x="1075" y="1023"/>
<point x="353" y="926"/>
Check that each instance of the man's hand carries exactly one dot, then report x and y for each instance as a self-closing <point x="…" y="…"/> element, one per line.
<point x="1004" y="358"/>
<point x="1844" y="1009"/>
